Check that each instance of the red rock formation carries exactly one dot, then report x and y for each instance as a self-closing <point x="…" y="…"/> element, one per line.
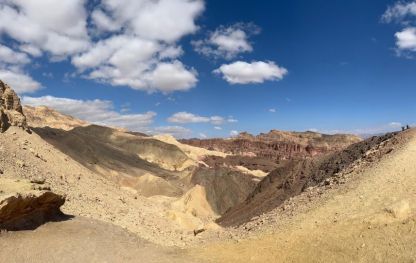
<point x="278" y="145"/>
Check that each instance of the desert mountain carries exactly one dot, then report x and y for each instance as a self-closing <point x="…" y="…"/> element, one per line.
<point x="252" y="197"/>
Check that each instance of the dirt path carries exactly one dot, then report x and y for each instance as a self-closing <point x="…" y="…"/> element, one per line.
<point x="82" y="240"/>
<point x="372" y="219"/>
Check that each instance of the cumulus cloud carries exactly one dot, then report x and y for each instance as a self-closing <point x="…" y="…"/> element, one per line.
<point x="227" y="42"/>
<point x="12" y="71"/>
<point x="95" y="111"/>
<point x="123" y="43"/>
<point x="163" y="20"/>
<point x="9" y="56"/>
<point x="400" y="12"/>
<point x="169" y="77"/>
<point x="186" y="117"/>
<point x="19" y="81"/>
<point x="57" y="27"/>
<point x="406" y="39"/>
<point x="175" y="131"/>
<point x="141" y="51"/>
<point x="124" y="60"/>
<point x="405" y="14"/>
<point x="366" y="131"/>
<point x="255" y="72"/>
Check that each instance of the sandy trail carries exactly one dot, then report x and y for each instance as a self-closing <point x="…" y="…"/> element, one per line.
<point x="371" y="219"/>
<point x="82" y="240"/>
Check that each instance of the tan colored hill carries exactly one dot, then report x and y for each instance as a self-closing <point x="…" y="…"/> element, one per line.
<point x="365" y="213"/>
<point x="43" y="116"/>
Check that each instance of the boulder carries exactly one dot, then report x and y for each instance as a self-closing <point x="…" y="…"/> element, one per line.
<point x="22" y="208"/>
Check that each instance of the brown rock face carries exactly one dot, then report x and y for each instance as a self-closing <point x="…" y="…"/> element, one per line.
<point x="11" y="112"/>
<point x="278" y="145"/>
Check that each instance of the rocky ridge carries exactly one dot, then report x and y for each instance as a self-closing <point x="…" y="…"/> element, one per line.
<point x="278" y="145"/>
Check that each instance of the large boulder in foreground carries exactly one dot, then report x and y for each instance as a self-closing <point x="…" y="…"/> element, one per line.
<point x="22" y="207"/>
<point x="11" y="112"/>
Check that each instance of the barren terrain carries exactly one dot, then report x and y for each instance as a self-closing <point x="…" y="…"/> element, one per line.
<point x="71" y="191"/>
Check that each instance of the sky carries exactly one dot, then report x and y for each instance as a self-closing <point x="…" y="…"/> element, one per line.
<point x="195" y="68"/>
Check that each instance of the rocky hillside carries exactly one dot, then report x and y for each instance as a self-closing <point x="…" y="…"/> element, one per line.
<point x="363" y="213"/>
<point x="297" y="176"/>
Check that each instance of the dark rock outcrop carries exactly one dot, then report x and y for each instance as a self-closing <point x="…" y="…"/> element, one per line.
<point x="11" y="112"/>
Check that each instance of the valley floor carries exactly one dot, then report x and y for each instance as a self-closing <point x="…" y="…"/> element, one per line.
<point x="82" y="240"/>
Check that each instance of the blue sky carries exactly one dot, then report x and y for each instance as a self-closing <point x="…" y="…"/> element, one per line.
<point x="212" y="68"/>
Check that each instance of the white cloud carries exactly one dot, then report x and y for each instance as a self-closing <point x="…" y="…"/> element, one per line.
<point x="395" y="124"/>
<point x="366" y="131"/>
<point x="131" y="61"/>
<point x="400" y="11"/>
<point x="142" y="53"/>
<point x="218" y="128"/>
<point x="406" y="39"/>
<point x="217" y="120"/>
<point x="256" y="72"/>
<point x="163" y="20"/>
<point x="11" y="71"/>
<point x="30" y="49"/>
<point x="57" y="27"/>
<point x="175" y="131"/>
<point x="231" y="120"/>
<point x="94" y="111"/>
<point x="272" y="110"/>
<point x="19" y="81"/>
<point x="186" y="117"/>
<point x="168" y="77"/>
<point x="233" y="133"/>
<point x="227" y="42"/>
<point x="202" y="135"/>
<point x="9" y="56"/>
<point x="132" y="43"/>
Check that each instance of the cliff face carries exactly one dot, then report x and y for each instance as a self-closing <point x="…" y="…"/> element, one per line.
<point x="11" y="112"/>
<point x="278" y="145"/>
